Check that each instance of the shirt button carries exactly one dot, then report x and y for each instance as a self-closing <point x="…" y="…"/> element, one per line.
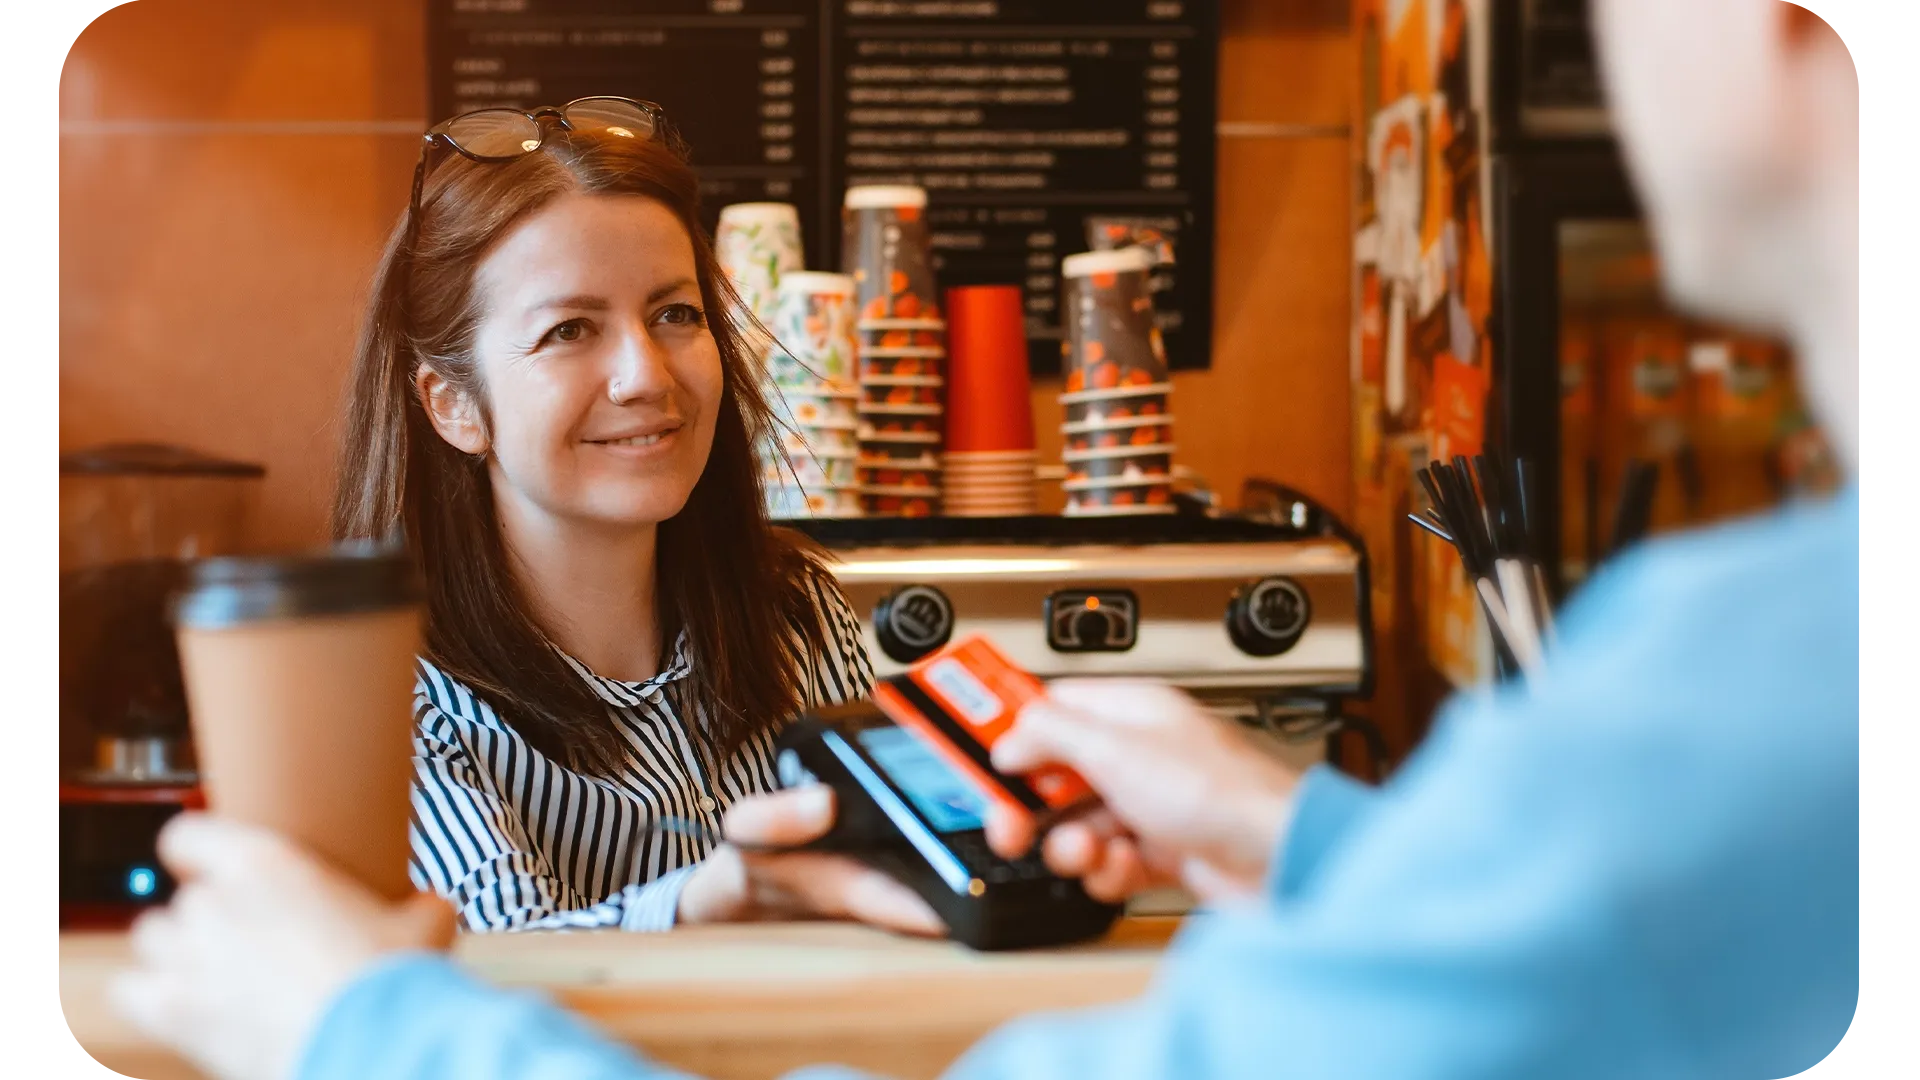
<point x="707" y="804"/>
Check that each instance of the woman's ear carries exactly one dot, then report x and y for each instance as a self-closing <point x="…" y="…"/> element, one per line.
<point x="454" y="413"/>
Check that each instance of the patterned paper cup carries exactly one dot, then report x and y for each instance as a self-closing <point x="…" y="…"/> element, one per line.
<point x="1118" y="438"/>
<point x="1159" y="236"/>
<point x="894" y="505"/>
<point x="1117" y="501"/>
<point x="813" y="331"/>
<point x="899" y="481"/>
<point x="1111" y="341"/>
<point x="898" y="427"/>
<point x="918" y="326"/>
<point x="889" y="251"/>
<point x="920" y="456"/>
<point x="811" y="472"/>
<point x="891" y="395"/>
<point x="884" y="411"/>
<point x="1119" y="471"/>
<point x="758" y="244"/>
<point x="928" y="335"/>
<point x="830" y="442"/>
<point x="792" y="502"/>
<point x="818" y="407"/>
<point x="901" y="367"/>
<point x="1097" y="408"/>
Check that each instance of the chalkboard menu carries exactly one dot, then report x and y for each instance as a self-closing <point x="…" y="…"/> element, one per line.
<point x="1037" y="126"/>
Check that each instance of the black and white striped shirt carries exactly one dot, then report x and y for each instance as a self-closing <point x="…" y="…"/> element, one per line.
<point x="518" y="841"/>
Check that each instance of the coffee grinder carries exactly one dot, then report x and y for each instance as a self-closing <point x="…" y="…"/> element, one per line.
<point x="133" y="520"/>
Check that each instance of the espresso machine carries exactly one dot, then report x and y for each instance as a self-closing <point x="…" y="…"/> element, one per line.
<point x="1262" y="614"/>
<point x="133" y="520"/>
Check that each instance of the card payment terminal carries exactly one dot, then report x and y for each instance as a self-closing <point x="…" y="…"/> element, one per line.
<point x="903" y="809"/>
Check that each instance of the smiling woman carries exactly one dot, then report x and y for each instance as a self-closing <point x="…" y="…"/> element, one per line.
<point x="544" y="411"/>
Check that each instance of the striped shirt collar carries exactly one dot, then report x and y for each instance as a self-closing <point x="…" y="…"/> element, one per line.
<point x="623" y="693"/>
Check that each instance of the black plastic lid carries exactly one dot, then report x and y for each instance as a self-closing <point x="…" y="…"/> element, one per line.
<point x="343" y="581"/>
<point x="153" y="459"/>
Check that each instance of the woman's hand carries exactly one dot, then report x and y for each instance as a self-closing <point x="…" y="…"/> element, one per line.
<point x="235" y="972"/>
<point x="736" y="885"/>
<point x="1187" y="797"/>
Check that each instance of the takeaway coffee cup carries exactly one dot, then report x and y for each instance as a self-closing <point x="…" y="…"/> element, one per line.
<point x="299" y="674"/>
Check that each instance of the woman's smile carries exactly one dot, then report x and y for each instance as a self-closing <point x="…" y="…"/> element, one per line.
<point x="640" y="444"/>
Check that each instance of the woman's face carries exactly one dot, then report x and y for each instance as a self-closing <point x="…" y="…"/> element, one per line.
<point x="600" y="378"/>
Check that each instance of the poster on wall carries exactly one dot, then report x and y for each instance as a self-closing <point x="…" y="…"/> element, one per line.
<point x="1424" y="297"/>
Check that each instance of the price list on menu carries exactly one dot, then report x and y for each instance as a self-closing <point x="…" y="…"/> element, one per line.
<point x="740" y="79"/>
<point x="1038" y="127"/>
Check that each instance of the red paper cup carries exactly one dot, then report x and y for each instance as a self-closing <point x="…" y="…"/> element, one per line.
<point x="989" y="393"/>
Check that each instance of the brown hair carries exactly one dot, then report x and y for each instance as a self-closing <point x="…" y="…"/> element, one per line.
<point x="735" y="584"/>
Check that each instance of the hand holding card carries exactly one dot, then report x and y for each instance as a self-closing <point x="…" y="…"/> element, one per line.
<point x="964" y="699"/>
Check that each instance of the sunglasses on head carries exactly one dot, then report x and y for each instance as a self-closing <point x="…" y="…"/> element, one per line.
<point x="491" y="136"/>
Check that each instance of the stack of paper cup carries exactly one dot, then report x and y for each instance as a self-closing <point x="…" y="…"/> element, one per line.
<point x="902" y="343"/>
<point x="757" y="244"/>
<point x="814" y="388"/>
<point x="1119" y="426"/>
<point x="990" y="446"/>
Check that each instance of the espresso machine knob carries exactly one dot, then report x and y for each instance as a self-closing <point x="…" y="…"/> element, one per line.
<point x="1267" y="617"/>
<point x="912" y="621"/>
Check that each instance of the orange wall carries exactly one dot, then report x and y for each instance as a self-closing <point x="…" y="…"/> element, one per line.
<point x="229" y="169"/>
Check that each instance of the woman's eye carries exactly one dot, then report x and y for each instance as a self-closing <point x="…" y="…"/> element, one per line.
<point x="567" y="332"/>
<point x="682" y="315"/>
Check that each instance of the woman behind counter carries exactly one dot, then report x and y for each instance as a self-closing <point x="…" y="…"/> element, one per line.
<point x="550" y="406"/>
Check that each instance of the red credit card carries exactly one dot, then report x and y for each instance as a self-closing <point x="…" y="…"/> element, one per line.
<point x="962" y="699"/>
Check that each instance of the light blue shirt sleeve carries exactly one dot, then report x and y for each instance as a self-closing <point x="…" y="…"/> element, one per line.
<point x="459" y="1027"/>
<point x="1643" y="864"/>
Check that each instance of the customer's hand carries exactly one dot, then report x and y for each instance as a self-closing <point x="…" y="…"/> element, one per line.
<point x="235" y="972"/>
<point x="736" y="885"/>
<point x="1188" y="797"/>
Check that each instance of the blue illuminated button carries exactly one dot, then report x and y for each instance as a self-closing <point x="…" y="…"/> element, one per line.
<point x="141" y="881"/>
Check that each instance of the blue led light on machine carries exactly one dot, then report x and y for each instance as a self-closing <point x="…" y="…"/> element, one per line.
<point x="142" y="881"/>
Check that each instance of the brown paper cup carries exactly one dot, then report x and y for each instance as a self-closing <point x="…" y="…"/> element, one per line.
<point x="299" y="675"/>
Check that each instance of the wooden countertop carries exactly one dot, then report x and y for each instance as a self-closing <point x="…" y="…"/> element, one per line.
<point x="730" y="1002"/>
